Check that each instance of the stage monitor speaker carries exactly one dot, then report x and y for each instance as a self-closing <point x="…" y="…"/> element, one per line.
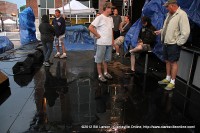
<point x="24" y="66"/>
<point x="37" y="56"/>
<point x="23" y="80"/>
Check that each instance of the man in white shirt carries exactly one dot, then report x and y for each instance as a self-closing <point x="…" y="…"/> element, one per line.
<point x="175" y="32"/>
<point x="102" y="28"/>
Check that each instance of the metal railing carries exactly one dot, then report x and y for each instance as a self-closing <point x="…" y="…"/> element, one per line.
<point x="13" y="36"/>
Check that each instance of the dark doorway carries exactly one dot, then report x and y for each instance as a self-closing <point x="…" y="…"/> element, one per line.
<point x="137" y="6"/>
<point x="118" y="4"/>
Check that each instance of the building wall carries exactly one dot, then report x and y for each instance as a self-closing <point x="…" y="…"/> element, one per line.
<point x="58" y="3"/>
<point x="8" y="8"/>
<point x="101" y="3"/>
<point x="34" y="5"/>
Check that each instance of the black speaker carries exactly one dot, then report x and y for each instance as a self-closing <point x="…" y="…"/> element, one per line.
<point x="37" y="56"/>
<point x="23" y="80"/>
<point x="24" y="66"/>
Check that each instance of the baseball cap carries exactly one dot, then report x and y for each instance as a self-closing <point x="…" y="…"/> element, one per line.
<point x="107" y="5"/>
<point x="170" y="2"/>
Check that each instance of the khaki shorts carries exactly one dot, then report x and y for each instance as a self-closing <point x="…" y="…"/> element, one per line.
<point x="60" y="39"/>
<point x="146" y="47"/>
<point x="119" y="41"/>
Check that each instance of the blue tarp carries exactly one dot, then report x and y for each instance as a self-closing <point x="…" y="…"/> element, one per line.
<point x="78" y="38"/>
<point x="27" y="26"/>
<point x="155" y="10"/>
<point x="5" y="44"/>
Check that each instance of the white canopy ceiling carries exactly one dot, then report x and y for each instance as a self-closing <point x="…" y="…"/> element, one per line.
<point x="76" y="9"/>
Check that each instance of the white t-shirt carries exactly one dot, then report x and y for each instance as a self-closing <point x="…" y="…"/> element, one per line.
<point x="104" y="26"/>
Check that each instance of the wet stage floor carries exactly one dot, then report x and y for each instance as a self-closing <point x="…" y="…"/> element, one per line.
<point x="67" y="97"/>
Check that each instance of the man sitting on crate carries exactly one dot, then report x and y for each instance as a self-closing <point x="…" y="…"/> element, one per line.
<point x="146" y="41"/>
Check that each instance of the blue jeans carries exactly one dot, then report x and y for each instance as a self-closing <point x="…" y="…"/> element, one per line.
<point x="103" y="53"/>
<point x="47" y="50"/>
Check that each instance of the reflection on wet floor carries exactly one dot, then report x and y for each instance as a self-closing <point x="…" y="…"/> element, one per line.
<point x="69" y="98"/>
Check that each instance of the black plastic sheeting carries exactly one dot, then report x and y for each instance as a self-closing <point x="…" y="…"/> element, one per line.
<point x="157" y="12"/>
<point x="5" y="44"/>
<point x="27" y="26"/>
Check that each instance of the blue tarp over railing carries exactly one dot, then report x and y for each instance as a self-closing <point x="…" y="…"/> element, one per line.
<point x="5" y="44"/>
<point x="77" y="38"/>
<point x="27" y="26"/>
<point x="155" y="10"/>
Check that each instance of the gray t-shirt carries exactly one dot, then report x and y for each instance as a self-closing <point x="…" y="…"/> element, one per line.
<point x="116" y="20"/>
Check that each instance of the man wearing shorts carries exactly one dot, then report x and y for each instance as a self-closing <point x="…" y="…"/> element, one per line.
<point x="120" y="40"/>
<point x="59" y="25"/>
<point x="175" y="32"/>
<point x="102" y="27"/>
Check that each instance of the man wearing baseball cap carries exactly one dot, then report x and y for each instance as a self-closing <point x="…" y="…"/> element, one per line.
<point x="102" y="28"/>
<point x="174" y="34"/>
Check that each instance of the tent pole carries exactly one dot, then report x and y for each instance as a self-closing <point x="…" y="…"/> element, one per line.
<point x="39" y="11"/>
<point x="76" y="19"/>
<point x="70" y="12"/>
<point x="63" y="9"/>
<point x="89" y="15"/>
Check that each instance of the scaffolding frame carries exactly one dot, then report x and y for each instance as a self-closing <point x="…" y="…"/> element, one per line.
<point x="126" y="7"/>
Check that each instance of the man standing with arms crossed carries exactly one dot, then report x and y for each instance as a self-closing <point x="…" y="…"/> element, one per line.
<point x="59" y="25"/>
<point x="174" y="34"/>
<point x="102" y="28"/>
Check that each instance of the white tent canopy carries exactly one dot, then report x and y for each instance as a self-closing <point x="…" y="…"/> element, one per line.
<point x="8" y="21"/>
<point x="75" y="8"/>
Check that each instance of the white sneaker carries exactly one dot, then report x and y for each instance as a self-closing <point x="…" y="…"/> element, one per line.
<point x="46" y="64"/>
<point x="57" y="55"/>
<point x="102" y="79"/>
<point x="63" y="56"/>
<point x="108" y="76"/>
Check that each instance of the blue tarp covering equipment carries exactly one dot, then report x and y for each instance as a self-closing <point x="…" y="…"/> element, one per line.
<point x="78" y="38"/>
<point x="27" y="26"/>
<point x="5" y="44"/>
<point x="155" y="10"/>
